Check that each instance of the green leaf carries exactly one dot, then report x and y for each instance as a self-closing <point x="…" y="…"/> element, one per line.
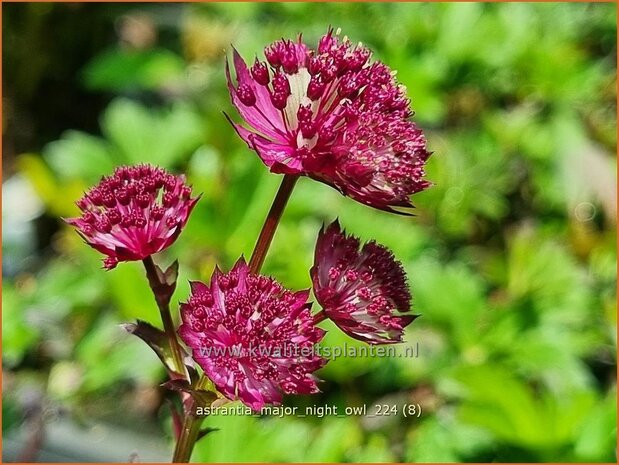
<point x="597" y="439"/>
<point x="18" y="335"/>
<point x="335" y="437"/>
<point x="58" y="199"/>
<point x="118" y="69"/>
<point x="109" y="355"/>
<point x="376" y="450"/>
<point x="430" y="442"/>
<point x="131" y="294"/>
<point x="80" y="156"/>
<point x="458" y="309"/>
<point x="163" y="137"/>
<point x="511" y="413"/>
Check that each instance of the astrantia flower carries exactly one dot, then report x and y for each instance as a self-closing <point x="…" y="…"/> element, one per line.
<point x="253" y="338"/>
<point x="360" y="290"/>
<point x="138" y="211"/>
<point x="333" y="115"/>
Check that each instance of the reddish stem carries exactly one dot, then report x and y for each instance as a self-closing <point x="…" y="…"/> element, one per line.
<point x="271" y="222"/>
<point x="320" y="316"/>
<point x="163" y="302"/>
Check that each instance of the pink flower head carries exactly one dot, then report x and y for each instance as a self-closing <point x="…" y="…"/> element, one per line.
<point x="360" y="290"/>
<point x="334" y="116"/>
<point x="253" y="338"/>
<point x="138" y="211"/>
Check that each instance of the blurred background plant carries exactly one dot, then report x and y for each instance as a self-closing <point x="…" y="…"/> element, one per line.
<point x="511" y="257"/>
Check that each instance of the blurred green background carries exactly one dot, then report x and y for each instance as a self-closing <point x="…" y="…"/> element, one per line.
<point x="511" y="256"/>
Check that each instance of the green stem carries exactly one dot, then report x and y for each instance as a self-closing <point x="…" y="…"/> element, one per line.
<point x="187" y="440"/>
<point x="163" y="302"/>
<point x="271" y="222"/>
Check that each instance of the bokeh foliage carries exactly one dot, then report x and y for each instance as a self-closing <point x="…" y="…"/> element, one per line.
<point x="511" y="255"/>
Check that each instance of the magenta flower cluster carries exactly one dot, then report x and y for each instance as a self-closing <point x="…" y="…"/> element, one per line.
<point x="241" y="328"/>
<point x="334" y="116"/>
<point x="331" y="114"/>
<point x="136" y="212"/>
<point x="360" y="289"/>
